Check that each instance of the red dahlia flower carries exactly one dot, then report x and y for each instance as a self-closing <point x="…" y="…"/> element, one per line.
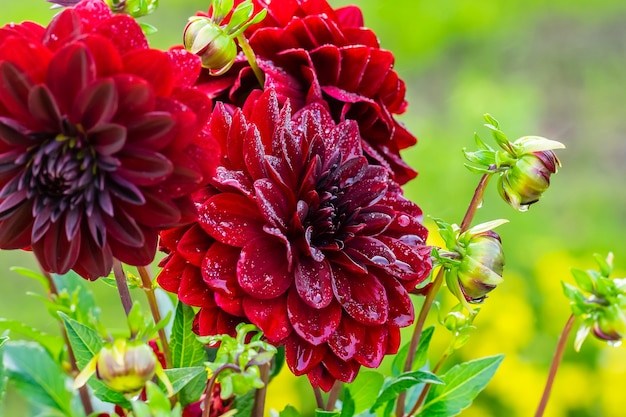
<point x="100" y="139"/>
<point x="302" y="236"/>
<point x="311" y="53"/>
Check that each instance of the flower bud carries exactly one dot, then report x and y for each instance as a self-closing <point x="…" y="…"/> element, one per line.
<point x="126" y="366"/>
<point x="523" y="183"/>
<point x="211" y="43"/>
<point x="611" y="324"/>
<point x="481" y="268"/>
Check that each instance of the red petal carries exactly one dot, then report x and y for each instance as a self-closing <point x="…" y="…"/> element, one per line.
<point x="219" y="269"/>
<point x="95" y="104"/>
<point x="313" y="282"/>
<point x="374" y="347"/>
<point x="339" y="369"/>
<point x="193" y="291"/>
<point x="14" y="91"/>
<point x="154" y="130"/>
<point x="170" y="276"/>
<point x="69" y="72"/>
<point x="154" y="66"/>
<point x="141" y="256"/>
<point x="230" y="305"/>
<point x="272" y="204"/>
<point x="54" y="252"/>
<point x="213" y="321"/>
<point x="270" y="316"/>
<point x="106" y="56"/>
<point x="143" y="167"/>
<point x="30" y="57"/>
<point x="348" y="338"/>
<point x="193" y="244"/>
<point x="125" y="33"/>
<point x="107" y="139"/>
<point x="262" y="268"/>
<point x="401" y="312"/>
<point x="362" y="296"/>
<point x="63" y="28"/>
<point x="16" y="229"/>
<point x="187" y="66"/>
<point x="136" y="97"/>
<point x="231" y="218"/>
<point x="93" y="261"/>
<point x="313" y="325"/>
<point x="301" y="356"/>
<point x="43" y="107"/>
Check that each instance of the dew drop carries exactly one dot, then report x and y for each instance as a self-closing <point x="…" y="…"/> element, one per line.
<point x="480" y="204"/>
<point x="381" y="260"/>
<point x="403" y="220"/>
<point x="614" y="343"/>
<point x="523" y="207"/>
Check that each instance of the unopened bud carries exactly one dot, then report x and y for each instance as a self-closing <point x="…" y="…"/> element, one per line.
<point x="216" y="49"/>
<point x="481" y="268"/>
<point x="611" y="324"/>
<point x="525" y="182"/>
<point x="126" y="366"/>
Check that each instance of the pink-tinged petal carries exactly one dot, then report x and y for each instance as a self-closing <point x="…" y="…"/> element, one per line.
<point x="401" y="312"/>
<point x="362" y="296"/>
<point x="136" y="97"/>
<point x="64" y="27"/>
<point x="301" y="356"/>
<point x="43" y="106"/>
<point x="187" y="66"/>
<point x="193" y="244"/>
<point x="95" y="104"/>
<point x="154" y="66"/>
<point x="262" y="268"/>
<point x="108" y="138"/>
<point x="143" y="167"/>
<point x="15" y="230"/>
<point x="219" y="269"/>
<point x="13" y="201"/>
<point x="93" y="261"/>
<point x="14" y="90"/>
<point x="230" y="305"/>
<point x="374" y="347"/>
<point x="193" y="291"/>
<point x="348" y="338"/>
<point x="153" y="130"/>
<point x="231" y="218"/>
<point x="270" y="316"/>
<point x="340" y="369"/>
<point x="313" y="282"/>
<point x="124" y="31"/>
<point x="272" y="204"/>
<point x="169" y="277"/>
<point x="313" y="325"/>
<point x="141" y="256"/>
<point x="54" y="252"/>
<point x="74" y="59"/>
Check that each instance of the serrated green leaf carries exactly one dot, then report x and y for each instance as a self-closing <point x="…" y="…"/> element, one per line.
<point x="289" y="411"/>
<point x="37" y="376"/>
<point x="394" y="386"/>
<point x="52" y="343"/>
<point x="397" y="366"/>
<point x="463" y="383"/>
<point x="181" y="377"/>
<point x="86" y="343"/>
<point x="364" y="389"/>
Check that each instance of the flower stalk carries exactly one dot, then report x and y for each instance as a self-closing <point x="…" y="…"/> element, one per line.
<point x="249" y="53"/>
<point x="146" y="283"/>
<point x="556" y="361"/>
<point x="122" y="286"/>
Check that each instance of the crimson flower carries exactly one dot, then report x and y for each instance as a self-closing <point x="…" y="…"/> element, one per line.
<point x="100" y="139"/>
<point x="300" y="235"/>
<point x="311" y="53"/>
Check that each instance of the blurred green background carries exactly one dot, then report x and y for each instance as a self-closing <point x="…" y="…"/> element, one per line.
<point x="552" y="68"/>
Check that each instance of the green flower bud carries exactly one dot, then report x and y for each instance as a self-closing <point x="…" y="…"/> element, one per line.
<point x="480" y="270"/>
<point x="126" y="366"/>
<point x="215" y="47"/>
<point x="529" y="177"/>
<point x="610" y="324"/>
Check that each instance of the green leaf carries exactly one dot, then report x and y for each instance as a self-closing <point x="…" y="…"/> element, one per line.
<point x="186" y="350"/>
<point x="86" y="343"/>
<point x="394" y="386"/>
<point x="39" y="378"/>
<point x="463" y="383"/>
<point x="324" y="413"/>
<point x="289" y="411"/>
<point x="34" y="275"/>
<point x="364" y="389"/>
<point x="53" y="344"/>
<point x="243" y="404"/>
<point x="347" y="404"/>
<point x="3" y="377"/>
<point x="181" y="377"/>
<point x="397" y="367"/>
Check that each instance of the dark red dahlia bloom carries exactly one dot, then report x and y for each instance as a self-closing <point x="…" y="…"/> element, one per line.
<point x="302" y="236"/>
<point x="311" y="53"/>
<point x="100" y="140"/>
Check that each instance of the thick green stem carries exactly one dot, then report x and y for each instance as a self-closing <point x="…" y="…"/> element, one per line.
<point x="146" y="284"/>
<point x="122" y="286"/>
<point x="556" y="361"/>
<point x="83" y="392"/>
<point x="249" y="53"/>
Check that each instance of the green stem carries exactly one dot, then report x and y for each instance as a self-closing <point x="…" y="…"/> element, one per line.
<point x="208" y="393"/>
<point x="319" y="399"/>
<point x="249" y="53"/>
<point x="146" y="284"/>
<point x="83" y="392"/>
<point x="333" y="395"/>
<point x="556" y="361"/>
<point x="122" y="286"/>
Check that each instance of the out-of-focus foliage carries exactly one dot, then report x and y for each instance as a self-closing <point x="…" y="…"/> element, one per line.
<point x="552" y="68"/>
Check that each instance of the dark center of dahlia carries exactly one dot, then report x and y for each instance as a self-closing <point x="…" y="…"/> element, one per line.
<point x="63" y="172"/>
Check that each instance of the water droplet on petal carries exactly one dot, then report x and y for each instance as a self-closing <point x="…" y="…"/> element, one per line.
<point x="403" y="220"/>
